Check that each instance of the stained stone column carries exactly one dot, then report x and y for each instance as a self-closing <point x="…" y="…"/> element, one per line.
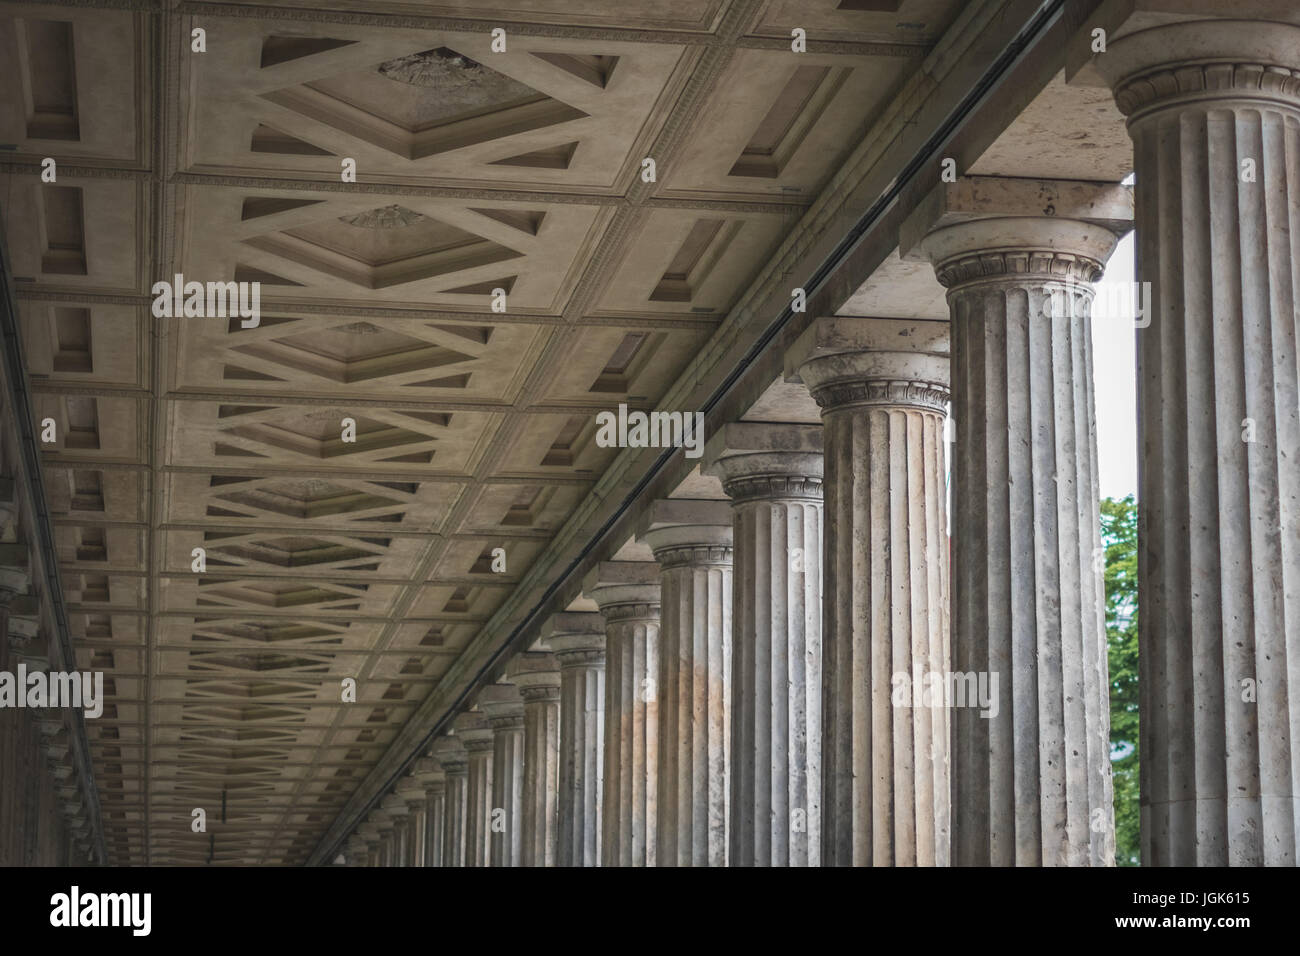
<point x="369" y="834"/>
<point x="1213" y="109"/>
<point x="356" y="852"/>
<point x="504" y="709"/>
<point x="773" y="474"/>
<point x="882" y="388"/>
<point x="537" y="675"/>
<point x="475" y="733"/>
<point x="399" y="813"/>
<point x="417" y="804"/>
<point x="627" y="593"/>
<point x="384" y="825"/>
<point x="429" y="774"/>
<point x="14" y="580"/>
<point x="691" y="541"/>
<point x="451" y="756"/>
<point x="1031" y="773"/>
<point x="578" y="641"/>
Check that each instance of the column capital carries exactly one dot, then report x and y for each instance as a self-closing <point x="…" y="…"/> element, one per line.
<point x="685" y="531"/>
<point x="395" y="805"/>
<point x="411" y="790"/>
<point x="474" y="731"/>
<point x="429" y="773"/>
<point x="990" y="229"/>
<point x="991" y="198"/>
<point x="575" y="637"/>
<point x="14" y="574"/>
<point x="862" y="361"/>
<point x="450" y="753"/>
<point x="624" y="589"/>
<point x="23" y="627"/>
<point x="1240" y="42"/>
<point x="536" y="674"/>
<point x="1020" y="250"/>
<point x="760" y="460"/>
<point x="502" y="706"/>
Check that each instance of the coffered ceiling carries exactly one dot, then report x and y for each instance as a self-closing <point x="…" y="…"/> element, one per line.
<point x="476" y="170"/>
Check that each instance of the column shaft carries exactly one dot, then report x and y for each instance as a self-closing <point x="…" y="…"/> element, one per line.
<point x="581" y="655"/>
<point x="1214" y="113"/>
<point x="537" y="675"/>
<point x="631" y="611"/>
<point x="1031" y="764"/>
<point x="694" y="714"/>
<point x="773" y="474"/>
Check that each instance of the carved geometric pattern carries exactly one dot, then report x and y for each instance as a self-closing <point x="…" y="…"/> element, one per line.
<point x="390" y="106"/>
<point x="383" y="247"/>
<point x="476" y="171"/>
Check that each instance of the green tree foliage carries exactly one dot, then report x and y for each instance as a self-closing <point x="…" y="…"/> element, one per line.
<point x="1119" y="538"/>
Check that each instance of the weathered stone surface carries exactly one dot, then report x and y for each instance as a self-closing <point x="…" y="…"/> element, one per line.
<point x="628" y="595"/>
<point x="537" y="675"/>
<point x="578" y="641"/>
<point x="773" y="474"/>
<point x="882" y="386"/>
<point x="1031" y="773"/>
<point x="691" y="540"/>
<point x="1219" y="435"/>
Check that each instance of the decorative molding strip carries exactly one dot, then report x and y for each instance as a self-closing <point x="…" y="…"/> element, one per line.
<point x="774" y="487"/>
<point x="630" y="612"/>
<point x="694" y="556"/>
<point x="926" y="396"/>
<point x="1015" y="265"/>
<point x="1167" y="86"/>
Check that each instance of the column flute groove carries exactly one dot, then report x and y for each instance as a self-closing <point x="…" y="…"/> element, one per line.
<point x="1031" y="760"/>
<point x="1219" y="431"/>
<point x="773" y="475"/>
<point x="882" y="388"/>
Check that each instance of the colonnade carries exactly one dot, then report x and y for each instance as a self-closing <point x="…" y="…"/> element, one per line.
<point x="764" y="691"/>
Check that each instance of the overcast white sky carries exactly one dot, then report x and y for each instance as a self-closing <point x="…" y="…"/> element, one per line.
<point x="1114" y="375"/>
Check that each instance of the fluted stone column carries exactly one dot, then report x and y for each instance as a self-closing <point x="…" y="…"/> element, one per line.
<point x="1213" y="109"/>
<point x="428" y="773"/>
<point x="356" y="852"/>
<point x="537" y="675"/>
<point x="504" y="710"/>
<point x="385" y="825"/>
<point x="691" y="541"/>
<point x="1031" y="772"/>
<point x="475" y="733"/>
<point x="412" y="792"/>
<point x="773" y="474"/>
<point x="882" y="388"/>
<point x="627" y="593"/>
<point x="369" y="834"/>
<point x="394" y="805"/>
<point x="451" y="756"/>
<point x="14" y="580"/>
<point x="578" y="641"/>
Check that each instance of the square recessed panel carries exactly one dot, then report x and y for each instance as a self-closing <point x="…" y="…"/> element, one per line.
<point x="399" y="250"/>
<point x="680" y="266"/>
<point x="72" y="80"/>
<point x="780" y="125"/>
<point x="409" y="105"/>
<point x="344" y="503"/>
<point x="77" y="343"/>
<point x="913" y="22"/>
<point x="406" y="359"/>
<point x="79" y="234"/>
<point x="685" y="15"/>
<point x="318" y="438"/>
